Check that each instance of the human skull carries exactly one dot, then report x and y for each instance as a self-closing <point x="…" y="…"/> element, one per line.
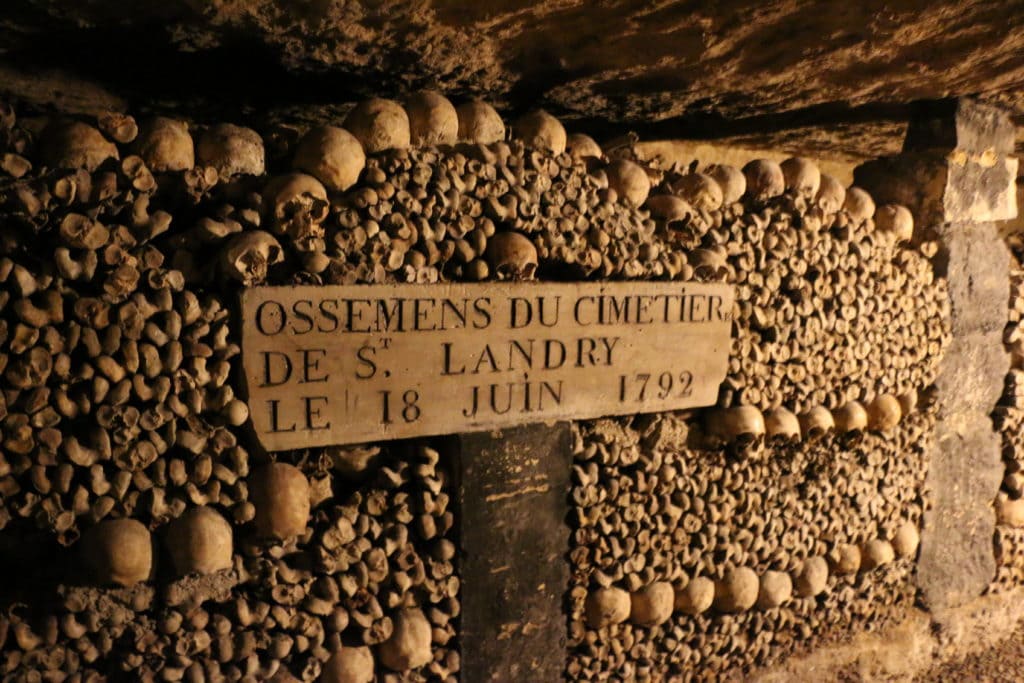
<point x="432" y="119"/>
<point x="710" y="264"/>
<point x="629" y="181"/>
<point x="73" y="144"/>
<point x="782" y="424"/>
<point x="737" y="590"/>
<point x="541" y="130"/>
<point x="764" y="179"/>
<point x="118" y="551"/>
<point x="816" y="422"/>
<point x="200" y="541"/>
<point x="511" y="256"/>
<point x="908" y="402"/>
<point x="349" y="665"/>
<point x="480" y="122"/>
<point x="296" y="205"/>
<point x="669" y="208"/>
<point x="743" y="425"/>
<point x="165" y="145"/>
<point x="812" y="578"/>
<point x="280" y="493"/>
<point x="802" y="176"/>
<point x="884" y="412"/>
<point x="850" y="417"/>
<point x="699" y="190"/>
<point x="379" y="124"/>
<point x="696" y="597"/>
<point x="249" y="255"/>
<point x="858" y="205"/>
<point x="409" y="644"/>
<point x="906" y="540"/>
<point x="731" y="180"/>
<point x="775" y="589"/>
<point x="895" y="220"/>
<point x="831" y="194"/>
<point x="876" y="553"/>
<point x="652" y="605"/>
<point x="582" y="146"/>
<point x="844" y="558"/>
<point x="332" y="155"/>
<point x="607" y="606"/>
<point x="232" y="150"/>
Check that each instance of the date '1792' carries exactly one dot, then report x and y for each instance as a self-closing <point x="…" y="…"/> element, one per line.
<point x="328" y="365"/>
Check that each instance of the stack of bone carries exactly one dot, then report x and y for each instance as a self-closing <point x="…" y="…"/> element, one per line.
<point x="120" y="424"/>
<point x="120" y="431"/>
<point x="116" y="398"/>
<point x="831" y="305"/>
<point x="707" y="545"/>
<point x="120" y="421"/>
<point x="1009" y="420"/>
<point x="695" y="563"/>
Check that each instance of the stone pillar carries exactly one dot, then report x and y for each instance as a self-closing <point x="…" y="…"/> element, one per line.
<point x="957" y="177"/>
<point x="513" y="494"/>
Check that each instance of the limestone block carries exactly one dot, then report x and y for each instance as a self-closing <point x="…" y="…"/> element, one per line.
<point x="975" y="262"/>
<point x="944" y="187"/>
<point x="972" y="373"/>
<point x="956" y="561"/>
<point x="960" y="124"/>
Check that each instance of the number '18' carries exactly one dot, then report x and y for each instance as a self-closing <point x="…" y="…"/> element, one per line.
<point x="410" y="410"/>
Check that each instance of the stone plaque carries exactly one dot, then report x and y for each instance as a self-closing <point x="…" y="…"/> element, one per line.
<point x="348" y="364"/>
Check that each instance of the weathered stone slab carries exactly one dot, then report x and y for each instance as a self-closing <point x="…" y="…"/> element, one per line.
<point x="944" y="187"/>
<point x="513" y="501"/>
<point x="973" y="370"/>
<point x="351" y="364"/>
<point x="975" y="262"/>
<point x="960" y="124"/>
<point x="957" y="562"/>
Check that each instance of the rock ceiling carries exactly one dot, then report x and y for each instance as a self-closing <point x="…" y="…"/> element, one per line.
<point x="825" y="78"/>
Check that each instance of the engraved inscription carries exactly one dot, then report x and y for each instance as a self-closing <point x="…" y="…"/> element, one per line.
<point x="349" y="364"/>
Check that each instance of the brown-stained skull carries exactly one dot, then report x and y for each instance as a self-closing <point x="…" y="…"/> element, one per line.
<point x="296" y="205"/>
<point x="248" y="256"/>
<point x="511" y="256"/>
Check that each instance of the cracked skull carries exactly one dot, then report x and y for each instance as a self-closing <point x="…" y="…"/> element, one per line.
<point x="249" y="255"/>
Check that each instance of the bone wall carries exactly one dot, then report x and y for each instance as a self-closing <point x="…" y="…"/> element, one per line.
<point x="1009" y="417"/>
<point x="713" y="543"/>
<point x="703" y="544"/>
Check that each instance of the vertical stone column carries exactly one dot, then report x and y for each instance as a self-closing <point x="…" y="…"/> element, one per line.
<point x="513" y="494"/>
<point x="957" y="177"/>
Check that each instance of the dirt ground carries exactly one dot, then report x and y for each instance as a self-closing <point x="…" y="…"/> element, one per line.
<point x="1001" y="664"/>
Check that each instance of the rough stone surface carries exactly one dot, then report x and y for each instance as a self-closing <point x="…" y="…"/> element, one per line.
<point x="980" y="187"/>
<point x="783" y="66"/>
<point x="976" y="263"/>
<point x="960" y="124"/>
<point x="956" y="562"/>
<point x="513" y="494"/>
